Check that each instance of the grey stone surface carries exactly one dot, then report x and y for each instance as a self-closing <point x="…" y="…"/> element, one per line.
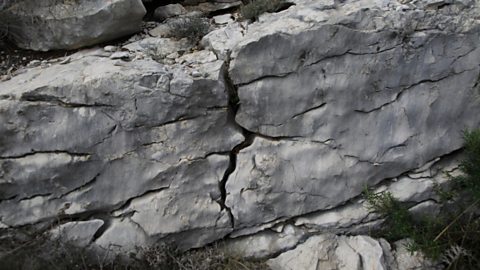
<point x="51" y="25"/>
<point x="343" y="102"/>
<point x="334" y="252"/>
<point x="91" y="136"/>
<point x="266" y="244"/>
<point x="79" y="233"/>
<point x="264" y="137"/>
<point x="164" y="12"/>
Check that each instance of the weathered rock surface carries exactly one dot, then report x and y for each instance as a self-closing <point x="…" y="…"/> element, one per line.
<point x="96" y="135"/>
<point x="341" y="101"/>
<point x="348" y="253"/>
<point x="265" y="138"/>
<point x="164" y="12"/>
<point x="51" y="24"/>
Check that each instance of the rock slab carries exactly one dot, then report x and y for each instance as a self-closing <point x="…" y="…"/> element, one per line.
<point x="64" y="25"/>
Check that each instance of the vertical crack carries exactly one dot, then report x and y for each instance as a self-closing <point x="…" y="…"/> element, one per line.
<point x="233" y="105"/>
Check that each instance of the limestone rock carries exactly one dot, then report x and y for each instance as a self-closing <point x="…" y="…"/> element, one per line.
<point x="406" y="260"/>
<point x="93" y="136"/>
<point x="341" y="101"/>
<point x="267" y="243"/>
<point x="222" y="40"/>
<point x="164" y="12"/>
<point x="77" y="233"/>
<point x="266" y="136"/>
<point x="47" y="25"/>
<point x="333" y="252"/>
<point x="223" y="19"/>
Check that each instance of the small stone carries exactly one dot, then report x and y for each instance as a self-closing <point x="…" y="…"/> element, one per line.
<point x="5" y="78"/>
<point x="34" y="63"/>
<point x="196" y="74"/>
<point x="110" y="48"/>
<point x="223" y="19"/>
<point x="65" y="61"/>
<point x="162" y="30"/>
<point x="120" y="55"/>
<point x="173" y="55"/>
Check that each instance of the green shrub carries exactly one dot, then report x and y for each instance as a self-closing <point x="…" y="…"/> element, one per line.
<point x="255" y="8"/>
<point x="470" y="166"/>
<point x="453" y="237"/>
<point x="192" y="28"/>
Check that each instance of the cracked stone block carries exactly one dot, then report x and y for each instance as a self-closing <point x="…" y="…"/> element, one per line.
<point x="48" y="25"/>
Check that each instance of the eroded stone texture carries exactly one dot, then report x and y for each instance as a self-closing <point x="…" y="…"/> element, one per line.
<point x="342" y="100"/>
<point x="98" y="135"/>
<point x="269" y="145"/>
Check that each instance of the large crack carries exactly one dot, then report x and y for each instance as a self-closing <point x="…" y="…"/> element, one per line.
<point x="233" y="106"/>
<point x="34" y="97"/>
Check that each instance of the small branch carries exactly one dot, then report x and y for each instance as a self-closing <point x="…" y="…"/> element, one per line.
<point x="455" y="220"/>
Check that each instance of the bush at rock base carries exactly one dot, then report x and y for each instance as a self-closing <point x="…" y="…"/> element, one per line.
<point x="452" y="238"/>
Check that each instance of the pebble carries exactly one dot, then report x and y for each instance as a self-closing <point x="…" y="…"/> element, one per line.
<point x="223" y="19"/>
<point x="5" y="78"/>
<point x="196" y="74"/>
<point x="110" y="48"/>
<point x="120" y="55"/>
<point x="173" y="55"/>
<point x="34" y="63"/>
<point x="65" y="61"/>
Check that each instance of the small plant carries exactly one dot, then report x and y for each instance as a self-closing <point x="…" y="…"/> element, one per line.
<point x="454" y="237"/>
<point x="192" y="28"/>
<point x="470" y="166"/>
<point x="255" y="8"/>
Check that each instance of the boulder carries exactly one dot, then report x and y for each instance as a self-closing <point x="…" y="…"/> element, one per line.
<point x="54" y="24"/>
<point x="336" y="252"/>
<point x="164" y="12"/>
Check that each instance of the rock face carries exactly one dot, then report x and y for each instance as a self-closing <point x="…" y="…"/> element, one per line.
<point x="343" y="102"/>
<point x="134" y="139"/>
<point x="265" y="138"/>
<point x="52" y="24"/>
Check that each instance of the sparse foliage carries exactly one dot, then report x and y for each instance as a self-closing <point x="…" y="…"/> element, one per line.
<point x="40" y="252"/>
<point x="453" y="237"/>
<point x="192" y="28"/>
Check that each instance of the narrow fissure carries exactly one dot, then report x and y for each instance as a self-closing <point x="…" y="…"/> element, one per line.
<point x="233" y="105"/>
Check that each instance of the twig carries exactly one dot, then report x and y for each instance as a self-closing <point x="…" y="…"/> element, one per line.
<point x="455" y="220"/>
